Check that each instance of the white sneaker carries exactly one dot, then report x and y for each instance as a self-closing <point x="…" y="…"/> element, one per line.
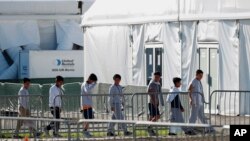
<point x="87" y="134"/>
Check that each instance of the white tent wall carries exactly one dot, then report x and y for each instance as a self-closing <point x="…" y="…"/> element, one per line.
<point x="171" y="53"/>
<point x="157" y="32"/>
<point x="228" y="65"/>
<point x="188" y="53"/>
<point x="138" y="62"/>
<point x="108" y="52"/>
<point x="208" y="31"/>
<point x="214" y="9"/>
<point x="244" y="65"/>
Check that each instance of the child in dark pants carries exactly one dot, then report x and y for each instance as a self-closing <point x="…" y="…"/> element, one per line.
<point x="86" y="101"/>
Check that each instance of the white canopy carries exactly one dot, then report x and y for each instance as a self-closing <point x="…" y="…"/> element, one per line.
<point x="130" y="11"/>
<point x="108" y="12"/>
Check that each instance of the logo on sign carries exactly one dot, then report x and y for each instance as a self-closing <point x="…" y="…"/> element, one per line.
<point x="64" y="65"/>
<point x="58" y="62"/>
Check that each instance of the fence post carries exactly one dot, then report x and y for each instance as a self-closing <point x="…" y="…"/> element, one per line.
<point x="210" y="108"/>
<point x="134" y="132"/>
<point x="69" y="130"/>
<point x="77" y="131"/>
<point x="132" y="106"/>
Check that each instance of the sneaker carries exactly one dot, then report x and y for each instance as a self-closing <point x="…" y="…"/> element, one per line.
<point x="57" y="136"/>
<point x="210" y="131"/>
<point x="151" y="132"/>
<point x="110" y="134"/>
<point x="172" y="134"/>
<point x="86" y="134"/>
<point x="37" y="135"/>
<point x="46" y="131"/>
<point x="127" y="133"/>
<point x="16" y="136"/>
<point x="190" y="133"/>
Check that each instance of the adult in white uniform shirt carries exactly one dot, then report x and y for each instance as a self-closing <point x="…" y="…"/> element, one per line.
<point x="196" y="100"/>
<point x="55" y="104"/>
<point x="24" y="110"/>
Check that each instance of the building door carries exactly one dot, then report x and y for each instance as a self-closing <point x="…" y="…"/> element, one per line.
<point x="208" y="62"/>
<point x="153" y="53"/>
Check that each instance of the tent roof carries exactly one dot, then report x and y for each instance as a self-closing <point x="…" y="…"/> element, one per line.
<point x="110" y="12"/>
<point x="130" y="11"/>
<point x="32" y="7"/>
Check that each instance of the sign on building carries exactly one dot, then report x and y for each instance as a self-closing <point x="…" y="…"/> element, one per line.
<point x="48" y="64"/>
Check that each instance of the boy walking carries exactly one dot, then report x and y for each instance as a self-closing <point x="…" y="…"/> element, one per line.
<point x="23" y="110"/>
<point x="176" y="107"/>
<point x="86" y="101"/>
<point x="196" y="100"/>
<point x="116" y="102"/>
<point x="154" y="98"/>
<point x="55" y="104"/>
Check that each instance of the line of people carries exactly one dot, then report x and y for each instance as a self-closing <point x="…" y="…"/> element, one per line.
<point x="116" y="102"/>
<point x="196" y="101"/>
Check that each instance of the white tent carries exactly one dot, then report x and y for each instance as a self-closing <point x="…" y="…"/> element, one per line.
<point x="212" y="35"/>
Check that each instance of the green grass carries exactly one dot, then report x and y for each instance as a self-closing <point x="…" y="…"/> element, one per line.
<point x="96" y="134"/>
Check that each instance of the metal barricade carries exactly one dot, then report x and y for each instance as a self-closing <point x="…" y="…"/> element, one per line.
<point x="9" y="108"/>
<point x="27" y="134"/>
<point x="225" y="133"/>
<point x="140" y="108"/>
<point x="228" y="107"/>
<point x="71" y="108"/>
<point x="139" y="131"/>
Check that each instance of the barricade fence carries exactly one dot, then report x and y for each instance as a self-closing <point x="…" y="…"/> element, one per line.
<point x="140" y="107"/>
<point x="8" y="134"/>
<point x="223" y="108"/>
<point x="138" y="129"/>
<point x="229" y="107"/>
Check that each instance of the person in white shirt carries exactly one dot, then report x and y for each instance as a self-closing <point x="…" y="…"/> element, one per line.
<point x="55" y="104"/>
<point x="24" y="110"/>
<point x="176" y="108"/>
<point x="116" y="101"/>
<point x="196" y="100"/>
<point x="86" y="101"/>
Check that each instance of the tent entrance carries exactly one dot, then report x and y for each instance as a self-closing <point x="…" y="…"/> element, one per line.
<point x="208" y="62"/>
<point x="153" y="57"/>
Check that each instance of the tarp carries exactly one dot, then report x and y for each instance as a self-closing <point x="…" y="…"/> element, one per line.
<point x="18" y="33"/>
<point x="38" y="7"/>
<point x="3" y="63"/>
<point x="47" y="32"/>
<point x="68" y="33"/>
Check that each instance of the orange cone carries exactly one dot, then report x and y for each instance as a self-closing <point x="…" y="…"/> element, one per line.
<point x="26" y="138"/>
